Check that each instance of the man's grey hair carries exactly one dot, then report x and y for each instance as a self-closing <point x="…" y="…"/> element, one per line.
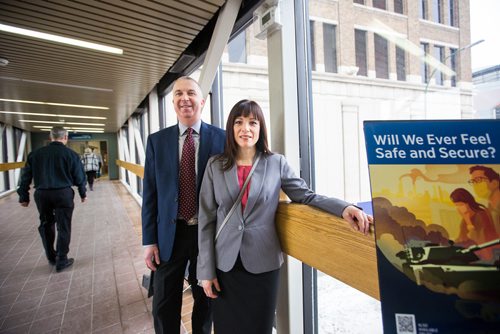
<point x="58" y="132"/>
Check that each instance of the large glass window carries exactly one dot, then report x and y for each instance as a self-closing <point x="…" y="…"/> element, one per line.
<point x="360" y="50"/>
<point x="330" y="47"/>
<point x="381" y="57"/>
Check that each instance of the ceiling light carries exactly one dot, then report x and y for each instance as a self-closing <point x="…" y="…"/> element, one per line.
<point x="60" y="39"/>
<point x="57" y="84"/>
<point x="59" y="122"/>
<point x="73" y="130"/>
<point x="55" y="104"/>
<point x="4" y="62"/>
<point x="69" y="128"/>
<point x="50" y="115"/>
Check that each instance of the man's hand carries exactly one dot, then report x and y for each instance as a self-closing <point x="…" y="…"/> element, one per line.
<point x="152" y="257"/>
<point x="358" y="220"/>
<point x="25" y="204"/>
<point x="84" y="199"/>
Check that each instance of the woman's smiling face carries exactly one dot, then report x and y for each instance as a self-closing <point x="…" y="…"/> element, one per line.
<point x="246" y="131"/>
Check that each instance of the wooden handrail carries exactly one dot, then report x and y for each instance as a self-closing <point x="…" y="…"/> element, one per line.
<point x="11" y="165"/>
<point x="134" y="168"/>
<point x="322" y="241"/>
<point x="328" y="244"/>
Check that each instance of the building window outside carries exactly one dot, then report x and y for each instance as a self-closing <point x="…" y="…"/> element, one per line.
<point x="453" y="65"/>
<point x="451" y="17"/>
<point x="439" y="54"/>
<point x="237" y="49"/>
<point x="400" y="64"/>
<point x="424" y="67"/>
<point x="380" y="4"/>
<point x="437" y="11"/>
<point x="313" y="45"/>
<point x="398" y="6"/>
<point x="381" y="57"/>
<point x="423" y="9"/>
<point x="330" y="47"/>
<point x="360" y="50"/>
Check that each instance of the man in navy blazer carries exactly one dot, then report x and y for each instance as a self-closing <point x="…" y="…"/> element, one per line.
<point x="170" y="242"/>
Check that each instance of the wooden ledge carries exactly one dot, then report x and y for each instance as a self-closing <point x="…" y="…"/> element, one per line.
<point x="328" y="244"/>
<point x="11" y="165"/>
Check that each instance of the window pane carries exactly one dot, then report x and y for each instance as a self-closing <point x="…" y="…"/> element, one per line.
<point x="439" y="54"/>
<point x="237" y="49"/>
<point x="453" y="65"/>
<point x="423" y="9"/>
<point x="451" y="14"/>
<point x="398" y="6"/>
<point x="424" y="71"/>
<point x="360" y="50"/>
<point x="379" y="4"/>
<point x="400" y="64"/>
<point x="361" y="2"/>
<point x="436" y="11"/>
<point x="381" y="57"/>
<point x="330" y="47"/>
<point x="313" y="45"/>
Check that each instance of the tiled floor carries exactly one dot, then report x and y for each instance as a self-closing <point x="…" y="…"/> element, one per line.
<point x="100" y="293"/>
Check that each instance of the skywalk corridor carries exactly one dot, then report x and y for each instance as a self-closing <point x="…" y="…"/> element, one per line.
<point x="100" y="293"/>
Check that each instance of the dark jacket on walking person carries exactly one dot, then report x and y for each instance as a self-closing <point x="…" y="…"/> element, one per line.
<point x="54" y="169"/>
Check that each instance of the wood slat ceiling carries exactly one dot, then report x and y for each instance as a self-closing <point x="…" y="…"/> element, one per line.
<point x="152" y="34"/>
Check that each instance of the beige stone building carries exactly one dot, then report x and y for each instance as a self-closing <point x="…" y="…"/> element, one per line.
<point x="370" y="59"/>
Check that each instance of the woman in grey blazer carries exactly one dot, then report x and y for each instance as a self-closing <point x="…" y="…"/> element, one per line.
<point x="241" y="269"/>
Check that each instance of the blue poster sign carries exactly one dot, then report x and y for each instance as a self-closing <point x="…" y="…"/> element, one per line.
<point x="436" y="204"/>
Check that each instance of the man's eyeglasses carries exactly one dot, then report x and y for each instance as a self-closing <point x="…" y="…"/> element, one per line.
<point x="478" y="180"/>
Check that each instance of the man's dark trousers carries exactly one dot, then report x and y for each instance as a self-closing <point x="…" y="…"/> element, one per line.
<point x="168" y="282"/>
<point x="55" y="206"/>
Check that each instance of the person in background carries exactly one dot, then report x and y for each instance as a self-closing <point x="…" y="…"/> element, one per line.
<point x="90" y="166"/>
<point x="99" y="159"/>
<point x="240" y="270"/>
<point x="175" y="162"/>
<point x="54" y="169"/>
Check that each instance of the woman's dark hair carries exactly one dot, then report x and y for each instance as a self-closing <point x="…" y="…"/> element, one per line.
<point x="243" y="108"/>
<point x="462" y="195"/>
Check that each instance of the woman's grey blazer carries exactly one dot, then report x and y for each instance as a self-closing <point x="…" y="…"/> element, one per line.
<point x="251" y="233"/>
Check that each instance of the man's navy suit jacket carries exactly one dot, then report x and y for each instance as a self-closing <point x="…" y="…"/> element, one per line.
<point x="161" y="182"/>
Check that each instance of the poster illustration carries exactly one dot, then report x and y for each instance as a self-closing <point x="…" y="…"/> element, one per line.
<point x="436" y="201"/>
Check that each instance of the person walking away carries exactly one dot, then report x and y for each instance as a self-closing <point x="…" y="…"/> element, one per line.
<point x="54" y="169"/>
<point x="175" y="162"/>
<point x="90" y="166"/>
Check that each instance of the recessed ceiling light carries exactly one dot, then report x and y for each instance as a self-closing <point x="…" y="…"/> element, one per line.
<point x="56" y="104"/>
<point x="50" y="115"/>
<point x="57" y="84"/>
<point x="59" y="122"/>
<point x="4" y="62"/>
<point x="68" y="128"/>
<point x="60" y="39"/>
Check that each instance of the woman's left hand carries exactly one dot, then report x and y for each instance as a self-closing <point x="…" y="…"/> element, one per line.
<point x="211" y="287"/>
<point x="358" y="220"/>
